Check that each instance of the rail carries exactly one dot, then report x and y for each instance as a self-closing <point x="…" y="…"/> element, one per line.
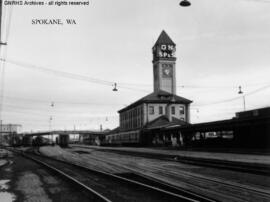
<point x="152" y="192"/>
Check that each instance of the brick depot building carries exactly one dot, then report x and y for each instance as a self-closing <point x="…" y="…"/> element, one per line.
<point x="162" y="108"/>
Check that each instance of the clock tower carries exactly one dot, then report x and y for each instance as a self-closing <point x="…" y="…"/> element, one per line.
<point x="164" y="64"/>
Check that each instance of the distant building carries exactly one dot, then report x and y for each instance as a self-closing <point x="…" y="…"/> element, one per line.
<point x="9" y="132"/>
<point x="6" y="129"/>
<point x="163" y="106"/>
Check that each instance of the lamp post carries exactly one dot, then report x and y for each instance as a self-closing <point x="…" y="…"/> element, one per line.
<point x="244" y="101"/>
<point x="51" y="119"/>
<point x="115" y="87"/>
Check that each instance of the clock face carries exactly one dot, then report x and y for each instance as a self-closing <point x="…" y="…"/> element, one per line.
<point x="165" y="51"/>
<point x="167" y="70"/>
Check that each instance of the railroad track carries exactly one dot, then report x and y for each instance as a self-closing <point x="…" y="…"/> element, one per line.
<point x="109" y="187"/>
<point x="195" y="179"/>
<point x="258" y="169"/>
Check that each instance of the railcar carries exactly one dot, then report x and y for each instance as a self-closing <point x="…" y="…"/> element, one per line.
<point x="41" y="141"/>
<point x="124" y="138"/>
<point x="27" y="141"/>
<point x="63" y="140"/>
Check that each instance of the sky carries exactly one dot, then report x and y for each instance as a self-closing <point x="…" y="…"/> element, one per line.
<point x="67" y="72"/>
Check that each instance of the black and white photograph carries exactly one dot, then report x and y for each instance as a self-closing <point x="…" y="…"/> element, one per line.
<point x="134" y="101"/>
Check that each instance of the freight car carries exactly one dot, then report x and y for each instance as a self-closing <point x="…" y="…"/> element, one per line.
<point x="41" y="141"/>
<point x="63" y="140"/>
<point x="27" y="141"/>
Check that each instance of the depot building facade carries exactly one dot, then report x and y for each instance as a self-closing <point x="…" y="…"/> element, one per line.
<point x="161" y="108"/>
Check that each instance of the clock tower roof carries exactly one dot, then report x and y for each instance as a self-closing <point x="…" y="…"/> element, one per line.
<point x="164" y="39"/>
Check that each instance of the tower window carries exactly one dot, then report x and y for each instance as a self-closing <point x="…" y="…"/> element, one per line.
<point x="173" y="110"/>
<point x="151" y="110"/>
<point x="160" y="110"/>
<point x="181" y="110"/>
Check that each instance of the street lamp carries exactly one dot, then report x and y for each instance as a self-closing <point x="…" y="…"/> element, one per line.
<point x="51" y="119"/>
<point x="184" y="3"/>
<point x="241" y="92"/>
<point x="115" y="87"/>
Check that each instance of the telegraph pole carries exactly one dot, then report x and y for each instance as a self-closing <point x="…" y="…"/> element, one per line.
<point x="2" y="62"/>
<point x="1" y="70"/>
<point x="0" y="18"/>
<point x="1" y="13"/>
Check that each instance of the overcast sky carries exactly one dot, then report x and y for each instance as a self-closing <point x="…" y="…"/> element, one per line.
<point x="220" y="44"/>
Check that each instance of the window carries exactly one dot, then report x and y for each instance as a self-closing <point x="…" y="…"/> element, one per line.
<point x="160" y="110"/>
<point x="182" y="110"/>
<point x="173" y="110"/>
<point x="151" y="110"/>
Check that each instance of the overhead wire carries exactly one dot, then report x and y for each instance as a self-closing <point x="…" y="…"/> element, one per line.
<point x="67" y="74"/>
<point x="57" y="72"/>
<point x="109" y="104"/>
<point x="65" y="111"/>
<point x="260" y="1"/>
<point x="100" y="81"/>
<point x="22" y="99"/>
<point x="235" y="98"/>
<point x="39" y="109"/>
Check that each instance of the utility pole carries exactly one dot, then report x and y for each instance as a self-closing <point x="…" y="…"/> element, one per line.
<point x="1" y="14"/>
<point x="1" y="2"/>
<point x="0" y="69"/>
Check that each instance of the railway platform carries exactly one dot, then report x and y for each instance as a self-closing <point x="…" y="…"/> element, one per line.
<point x="254" y="160"/>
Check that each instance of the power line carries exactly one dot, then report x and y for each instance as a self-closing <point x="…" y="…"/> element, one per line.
<point x="194" y="106"/>
<point x="39" y="109"/>
<point x="60" y="102"/>
<point x="109" y="104"/>
<point x="59" y="73"/>
<point x="260" y="1"/>
<point x="235" y="98"/>
<point x="67" y="74"/>
<point x="101" y="81"/>
<point x="257" y="90"/>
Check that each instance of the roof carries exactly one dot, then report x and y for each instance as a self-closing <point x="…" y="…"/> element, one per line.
<point x="227" y="124"/>
<point x="164" y="39"/>
<point x="163" y="122"/>
<point x="113" y="131"/>
<point x="158" y="97"/>
<point x="254" y="113"/>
